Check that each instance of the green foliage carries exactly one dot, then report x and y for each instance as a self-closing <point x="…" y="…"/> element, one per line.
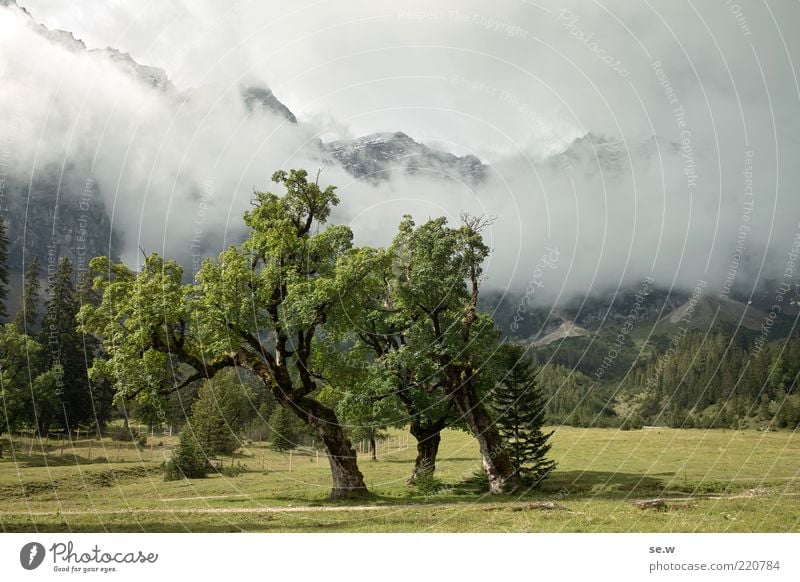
<point x="47" y="380"/>
<point x="260" y="306"/>
<point x="3" y="269"/>
<point x="718" y="380"/>
<point x="232" y="470"/>
<point x="29" y="397"/>
<point x="149" y="408"/>
<point x="80" y="400"/>
<point x="27" y="314"/>
<point x="427" y="484"/>
<point x="284" y="435"/>
<point x="137" y="314"/>
<point x="365" y="402"/>
<point x="418" y="334"/>
<point x="574" y="399"/>
<point x="632" y="423"/>
<point x="477" y="480"/>
<point x="520" y="413"/>
<point x="589" y="354"/>
<point x="122" y="433"/>
<point x="188" y="460"/>
<point x="217" y="416"/>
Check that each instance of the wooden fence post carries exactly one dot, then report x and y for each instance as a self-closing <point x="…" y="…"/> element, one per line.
<point x="290" y="461"/>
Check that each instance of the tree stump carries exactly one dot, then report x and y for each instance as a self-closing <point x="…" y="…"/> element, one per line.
<point x="658" y="504"/>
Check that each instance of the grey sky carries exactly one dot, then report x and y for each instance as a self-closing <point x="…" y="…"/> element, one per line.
<point x="453" y="70"/>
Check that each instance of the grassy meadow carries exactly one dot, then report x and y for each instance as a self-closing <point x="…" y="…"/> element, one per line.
<point x="711" y="481"/>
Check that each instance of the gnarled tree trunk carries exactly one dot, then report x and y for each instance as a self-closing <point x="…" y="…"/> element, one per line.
<point x="347" y="478"/>
<point x="428" y="439"/>
<point x="494" y="458"/>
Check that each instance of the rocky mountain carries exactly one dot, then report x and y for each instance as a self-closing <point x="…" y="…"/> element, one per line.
<point x="152" y="76"/>
<point x="261" y="98"/>
<point x="594" y="154"/>
<point x="48" y="212"/>
<point x="60" y="213"/>
<point x="660" y="313"/>
<point x="377" y="156"/>
<point x="710" y="312"/>
<point x="520" y="321"/>
<point x="56" y="215"/>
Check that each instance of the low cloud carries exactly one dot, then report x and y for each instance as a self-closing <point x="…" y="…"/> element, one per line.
<point x="514" y="85"/>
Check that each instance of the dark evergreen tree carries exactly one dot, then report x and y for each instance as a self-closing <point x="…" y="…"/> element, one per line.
<point x="3" y="270"/>
<point x="63" y="344"/>
<point x="208" y="424"/>
<point x="717" y="380"/>
<point x="284" y="435"/>
<point x="102" y="389"/>
<point x="215" y="419"/>
<point x="188" y="460"/>
<point x="28" y="310"/>
<point x="520" y="411"/>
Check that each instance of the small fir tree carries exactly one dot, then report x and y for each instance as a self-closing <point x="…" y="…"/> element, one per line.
<point x="519" y="406"/>
<point x="28" y="311"/>
<point x="214" y="419"/>
<point x="66" y="348"/>
<point x="188" y="461"/>
<point x="284" y="433"/>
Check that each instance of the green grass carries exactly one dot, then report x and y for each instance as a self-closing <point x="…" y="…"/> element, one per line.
<point x="713" y="481"/>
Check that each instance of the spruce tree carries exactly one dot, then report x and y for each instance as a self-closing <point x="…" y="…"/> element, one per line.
<point x="284" y="435"/>
<point x="65" y="347"/>
<point x="214" y="421"/>
<point x="28" y="310"/>
<point x="3" y="270"/>
<point x="188" y="460"/>
<point x="519" y="407"/>
<point x="102" y="389"/>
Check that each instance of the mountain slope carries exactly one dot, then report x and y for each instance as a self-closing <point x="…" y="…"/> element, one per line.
<point x="377" y="156"/>
<point x="565" y="330"/>
<point x="708" y="312"/>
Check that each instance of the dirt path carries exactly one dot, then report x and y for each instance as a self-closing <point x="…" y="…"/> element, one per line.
<point x="213" y="510"/>
<point x="334" y="508"/>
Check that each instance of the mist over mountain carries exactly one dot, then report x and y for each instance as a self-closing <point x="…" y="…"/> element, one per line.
<point x="170" y="167"/>
<point x="375" y="157"/>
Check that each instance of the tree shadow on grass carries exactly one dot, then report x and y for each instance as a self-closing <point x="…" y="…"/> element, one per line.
<point x="603" y="484"/>
<point x="560" y="485"/>
<point x="438" y="460"/>
<point x="563" y="484"/>
<point x="369" y="498"/>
